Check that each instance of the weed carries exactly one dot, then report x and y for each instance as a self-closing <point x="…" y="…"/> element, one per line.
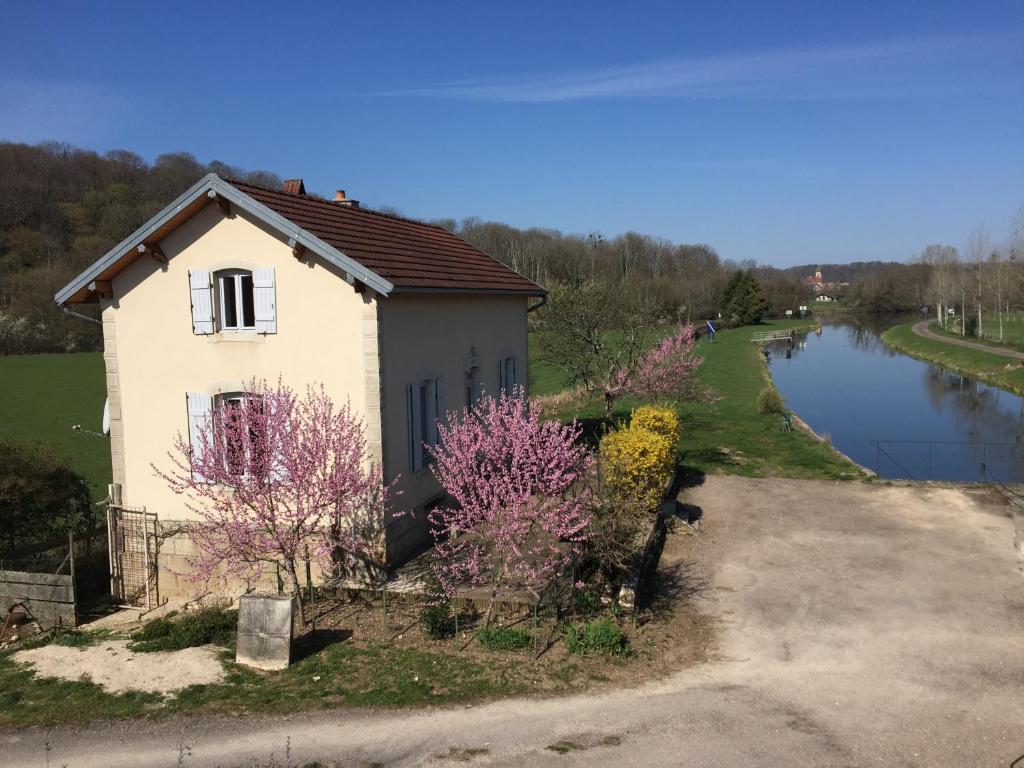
<point x="769" y="400"/>
<point x="504" y="638"/>
<point x="172" y="633"/>
<point x="598" y="636"/>
<point x="438" y="621"/>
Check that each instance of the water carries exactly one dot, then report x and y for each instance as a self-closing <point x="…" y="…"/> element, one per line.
<point x="898" y="416"/>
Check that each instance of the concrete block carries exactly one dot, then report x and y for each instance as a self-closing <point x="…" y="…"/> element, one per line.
<point x="265" y="631"/>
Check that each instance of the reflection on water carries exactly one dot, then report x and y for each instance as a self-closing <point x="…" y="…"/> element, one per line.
<point x="895" y="414"/>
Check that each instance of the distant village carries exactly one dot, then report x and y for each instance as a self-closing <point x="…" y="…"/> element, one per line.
<point x="822" y="289"/>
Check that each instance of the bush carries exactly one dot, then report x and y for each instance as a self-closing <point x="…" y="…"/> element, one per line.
<point x="634" y="465"/>
<point x="599" y="636"/>
<point x="586" y="601"/>
<point x="770" y="401"/>
<point x="40" y="496"/>
<point x="658" y="419"/>
<point x="504" y="638"/>
<point x="173" y="632"/>
<point x="438" y="621"/>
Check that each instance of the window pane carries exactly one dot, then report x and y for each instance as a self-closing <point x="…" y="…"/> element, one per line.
<point x="248" y="311"/>
<point x="229" y="309"/>
<point x="234" y="440"/>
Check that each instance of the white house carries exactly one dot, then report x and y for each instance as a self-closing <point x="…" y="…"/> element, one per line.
<point x="233" y="281"/>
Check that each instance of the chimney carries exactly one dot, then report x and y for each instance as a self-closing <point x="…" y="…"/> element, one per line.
<point x="294" y="187"/>
<point x="339" y="197"/>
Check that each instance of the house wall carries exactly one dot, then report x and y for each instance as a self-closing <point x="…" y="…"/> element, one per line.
<point x="326" y="333"/>
<point x="426" y="336"/>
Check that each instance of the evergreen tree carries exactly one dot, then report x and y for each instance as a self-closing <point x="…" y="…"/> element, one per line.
<point x="743" y="302"/>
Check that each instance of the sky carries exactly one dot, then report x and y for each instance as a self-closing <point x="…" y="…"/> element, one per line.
<point x="787" y="133"/>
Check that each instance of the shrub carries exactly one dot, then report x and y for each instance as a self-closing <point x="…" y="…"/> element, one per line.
<point x="770" y="401"/>
<point x="40" y="496"/>
<point x="598" y="636"/>
<point x="658" y="419"/>
<point x="504" y="638"/>
<point x="173" y="632"/>
<point x="634" y="464"/>
<point x="438" y="621"/>
<point x="586" y="601"/>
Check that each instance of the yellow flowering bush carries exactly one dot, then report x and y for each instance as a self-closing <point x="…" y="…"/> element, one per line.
<point x="634" y="465"/>
<point x="658" y="419"/>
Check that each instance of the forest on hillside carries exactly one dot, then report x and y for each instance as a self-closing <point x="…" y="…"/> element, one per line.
<point x="63" y="207"/>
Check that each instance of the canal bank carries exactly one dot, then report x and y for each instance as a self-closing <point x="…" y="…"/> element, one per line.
<point x="986" y="365"/>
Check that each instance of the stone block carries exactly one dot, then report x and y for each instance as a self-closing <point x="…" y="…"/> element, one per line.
<point x="265" y="631"/>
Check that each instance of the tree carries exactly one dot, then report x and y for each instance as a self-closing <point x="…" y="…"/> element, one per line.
<point x="597" y="333"/>
<point x="743" y="302"/>
<point x="519" y="508"/>
<point x="667" y="370"/>
<point x="40" y="496"/>
<point x="274" y="479"/>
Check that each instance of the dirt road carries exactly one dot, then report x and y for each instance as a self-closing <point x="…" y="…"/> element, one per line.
<point x="921" y="329"/>
<point x="859" y="625"/>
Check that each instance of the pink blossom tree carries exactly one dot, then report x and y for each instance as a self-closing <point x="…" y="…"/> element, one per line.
<point x="667" y="370"/>
<point x="273" y="479"/>
<point x="519" y="506"/>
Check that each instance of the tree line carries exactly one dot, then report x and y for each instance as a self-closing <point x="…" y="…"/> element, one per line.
<point x="61" y="208"/>
<point x="970" y="290"/>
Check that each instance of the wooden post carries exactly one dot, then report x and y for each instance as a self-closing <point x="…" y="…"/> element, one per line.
<point x="113" y="500"/>
<point x="71" y="565"/>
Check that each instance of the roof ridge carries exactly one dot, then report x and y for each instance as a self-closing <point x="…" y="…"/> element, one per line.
<point x="334" y="205"/>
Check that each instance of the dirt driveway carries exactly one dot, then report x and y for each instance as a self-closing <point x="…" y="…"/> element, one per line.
<point x="859" y="625"/>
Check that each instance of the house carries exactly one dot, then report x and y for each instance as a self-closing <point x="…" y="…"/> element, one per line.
<point x="232" y="282"/>
<point x="825" y="297"/>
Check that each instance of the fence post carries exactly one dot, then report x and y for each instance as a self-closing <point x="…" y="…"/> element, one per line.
<point x="71" y="565"/>
<point x="309" y="588"/>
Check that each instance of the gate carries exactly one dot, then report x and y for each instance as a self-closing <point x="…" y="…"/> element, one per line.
<point x="133" y="573"/>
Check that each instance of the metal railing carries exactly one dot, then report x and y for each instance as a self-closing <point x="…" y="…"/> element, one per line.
<point x="948" y="459"/>
<point x="763" y="336"/>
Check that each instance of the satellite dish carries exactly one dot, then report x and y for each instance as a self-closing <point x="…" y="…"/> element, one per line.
<point x="106" y="416"/>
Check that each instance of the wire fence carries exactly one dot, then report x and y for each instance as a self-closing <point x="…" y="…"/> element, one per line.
<point x="948" y="460"/>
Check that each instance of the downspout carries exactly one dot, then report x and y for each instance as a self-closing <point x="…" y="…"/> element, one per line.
<point x="80" y="316"/>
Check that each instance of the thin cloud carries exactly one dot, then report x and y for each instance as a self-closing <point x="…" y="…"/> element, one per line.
<point x="854" y="71"/>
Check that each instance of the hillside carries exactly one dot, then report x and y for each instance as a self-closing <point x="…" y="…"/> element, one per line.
<point x="61" y="208"/>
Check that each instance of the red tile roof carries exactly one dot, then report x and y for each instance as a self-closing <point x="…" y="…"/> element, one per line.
<point x="410" y="254"/>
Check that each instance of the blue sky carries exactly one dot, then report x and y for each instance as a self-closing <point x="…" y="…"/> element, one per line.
<point x="785" y="132"/>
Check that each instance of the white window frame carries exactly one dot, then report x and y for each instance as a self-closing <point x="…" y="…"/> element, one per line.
<point x="233" y="277"/>
<point x="232" y="397"/>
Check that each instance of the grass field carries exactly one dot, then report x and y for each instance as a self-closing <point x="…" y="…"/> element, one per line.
<point x="731" y="436"/>
<point x="1013" y="332"/>
<point x="42" y="396"/>
<point x="993" y="369"/>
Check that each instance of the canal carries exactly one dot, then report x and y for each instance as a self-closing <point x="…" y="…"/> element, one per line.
<point x="896" y="415"/>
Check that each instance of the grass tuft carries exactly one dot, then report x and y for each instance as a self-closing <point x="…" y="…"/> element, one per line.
<point x="173" y="632"/>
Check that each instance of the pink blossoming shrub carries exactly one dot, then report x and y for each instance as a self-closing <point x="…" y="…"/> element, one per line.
<point x="273" y="478"/>
<point x="519" y="506"/>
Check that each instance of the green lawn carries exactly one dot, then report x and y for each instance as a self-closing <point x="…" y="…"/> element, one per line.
<point x="1013" y="332"/>
<point x="731" y="436"/>
<point x="994" y="369"/>
<point x="343" y="674"/>
<point x="42" y="396"/>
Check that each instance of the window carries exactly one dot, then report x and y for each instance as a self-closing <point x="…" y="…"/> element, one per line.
<point x="507" y="376"/>
<point x="236" y="307"/>
<point x="240" y="449"/>
<point x="425" y="400"/>
<point x="235" y="300"/>
<point x="241" y="452"/>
